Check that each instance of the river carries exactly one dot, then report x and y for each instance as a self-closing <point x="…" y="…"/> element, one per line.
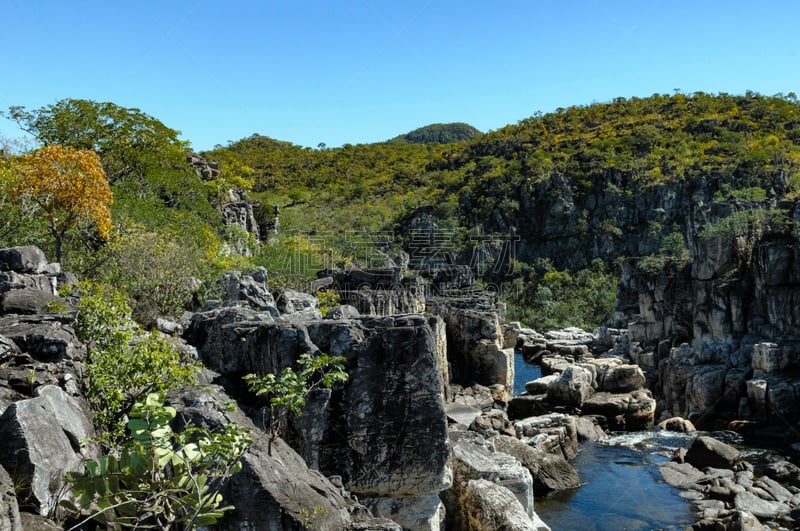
<point x="621" y="487"/>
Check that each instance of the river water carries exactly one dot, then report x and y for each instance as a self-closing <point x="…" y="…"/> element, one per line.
<point x="621" y="487"/>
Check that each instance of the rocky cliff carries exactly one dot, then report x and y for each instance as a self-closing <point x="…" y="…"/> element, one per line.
<point x="719" y="333"/>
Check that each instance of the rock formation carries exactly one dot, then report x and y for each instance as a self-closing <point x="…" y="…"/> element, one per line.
<point x="719" y="335"/>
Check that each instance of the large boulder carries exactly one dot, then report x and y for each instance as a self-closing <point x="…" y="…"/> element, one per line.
<point x="709" y="452"/>
<point x="623" y="411"/>
<point x="572" y="388"/>
<point x="487" y="506"/>
<point x="250" y="289"/>
<point x="47" y="338"/>
<point x="388" y="429"/>
<point x="473" y="459"/>
<point x="26" y="259"/>
<point x="550" y="472"/>
<point x="297" y="303"/>
<point x="41" y="439"/>
<point x="475" y="348"/>
<point x="614" y="376"/>
<point x="384" y="430"/>
<point x="553" y="433"/>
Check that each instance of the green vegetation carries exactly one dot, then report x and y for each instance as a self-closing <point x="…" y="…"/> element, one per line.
<point x="339" y="205"/>
<point x="440" y="134"/>
<point x="546" y="299"/>
<point x="287" y="392"/>
<point x="159" y="479"/>
<point x="327" y="301"/>
<point x="125" y="363"/>
<point x="155" y="191"/>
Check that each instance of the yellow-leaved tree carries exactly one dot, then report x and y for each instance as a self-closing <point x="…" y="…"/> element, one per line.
<point x="69" y="186"/>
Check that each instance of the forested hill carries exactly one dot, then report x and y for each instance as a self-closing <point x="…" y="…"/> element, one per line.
<point x="575" y="190"/>
<point x="440" y="134"/>
<point x="574" y="173"/>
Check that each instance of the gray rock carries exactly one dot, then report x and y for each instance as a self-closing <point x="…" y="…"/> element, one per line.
<point x="26" y="259"/>
<point x="474" y="347"/>
<point x="681" y="475"/>
<point x="9" y="509"/>
<point x="169" y="326"/>
<point x="572" y="388"/>
<point x="345" y="311"/>
<point x="784" y="471"/>
<point x="384" y="430"/>
<point x="46" y="338"/>
<point x="380" y="291"/>
<point x="618" y="378"/>
<point x="493" y="422"/>
<point x="462" y="413"/>
<point x="426" y="513"/>
<point x="553" y="433"/>
<point x="25" y="301"/>
<point x="540" y="385"/>
<point x="730" y="521"/>
<point x="709" y="452"/>
<point x="550" y="472"/>
<point x="623" y="411"/>
<point x="249" y="288"/>
<point x="471" y="459"/>
<point x="524" y="406"/>
<point x="495" y="508"/>
<point x="41" y="439"/>
<point x="589" y="428"/>
<point x="290" y="301"/>
<point x="777" y="491"/>
<point x="677" y="424"/>
<point x="759" y="507"/>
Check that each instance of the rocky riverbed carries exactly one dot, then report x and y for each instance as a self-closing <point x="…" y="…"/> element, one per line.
<point x="425" y="434"/>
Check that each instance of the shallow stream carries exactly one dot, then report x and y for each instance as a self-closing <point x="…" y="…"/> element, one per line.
<point x="621" y="487"/>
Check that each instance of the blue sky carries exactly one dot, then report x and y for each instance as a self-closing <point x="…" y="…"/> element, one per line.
<point x="358" y="71"/>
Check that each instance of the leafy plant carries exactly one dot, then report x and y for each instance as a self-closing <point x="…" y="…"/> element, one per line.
<point x="327" y="299"/>
<point x="159" y="479"/>
<point x="288" y="390"/>
<point x="125" y="362"/>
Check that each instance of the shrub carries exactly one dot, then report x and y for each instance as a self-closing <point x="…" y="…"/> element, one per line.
<point x="159" y="479"/>
<point x="287" y="391"/>
<point x="125" y="362"/>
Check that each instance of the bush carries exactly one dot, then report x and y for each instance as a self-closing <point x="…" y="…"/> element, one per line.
<point x="159" y="479"/>
<point x="155" y="270"/>
<point x="125" y="362"/>
<point x="287" y="391"/>
<point x="552" y="299"/>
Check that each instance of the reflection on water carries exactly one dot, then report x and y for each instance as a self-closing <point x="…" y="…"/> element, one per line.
<point x="523" y="373"/>
<point x="621" y="486"/>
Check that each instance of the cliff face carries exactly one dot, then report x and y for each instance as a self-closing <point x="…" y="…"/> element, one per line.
<point x="606" y="215"/>
<point x="720" y="333"/>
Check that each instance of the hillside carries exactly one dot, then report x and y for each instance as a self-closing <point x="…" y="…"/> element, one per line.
<point x="440" y="134"/>
<point x="568" y="188"/>
<point x="543" y="209"/>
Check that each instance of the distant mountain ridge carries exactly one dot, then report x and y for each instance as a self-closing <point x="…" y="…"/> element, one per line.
<point x="439" y="134"/>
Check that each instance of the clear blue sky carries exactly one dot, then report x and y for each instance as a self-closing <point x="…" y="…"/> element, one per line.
<point x="357" y="71"/>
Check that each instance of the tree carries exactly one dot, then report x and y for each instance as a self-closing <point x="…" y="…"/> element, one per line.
<point x="69" y="186"/>
<point x="128" y="141"/>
